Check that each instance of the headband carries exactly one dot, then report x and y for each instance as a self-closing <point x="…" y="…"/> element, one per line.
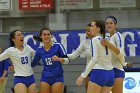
<point x="112" y="18"/>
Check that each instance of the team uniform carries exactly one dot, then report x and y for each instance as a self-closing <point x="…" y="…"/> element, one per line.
<point x="3" y="67"/>
<point x="100" y="64"/>
<point x="118" y="40"/>
<point x="85" y="46"/>
<point x="22" y="64"/>
<point x="52" y="71"/>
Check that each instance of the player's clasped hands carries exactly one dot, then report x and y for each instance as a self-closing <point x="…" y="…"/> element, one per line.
<point x="104" y="42"/>
<point x="55" y="58"/>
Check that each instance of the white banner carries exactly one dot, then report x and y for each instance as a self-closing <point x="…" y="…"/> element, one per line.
<point x="117" y="3"/>
<point x="5" y="5"/>
<point x="75" y="4"/>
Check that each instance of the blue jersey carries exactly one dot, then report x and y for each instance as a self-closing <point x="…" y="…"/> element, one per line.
<point x="51" y="68"/>
<point x="4" y="66"/>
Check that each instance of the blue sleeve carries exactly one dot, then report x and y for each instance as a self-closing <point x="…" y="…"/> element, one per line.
<point x="36" y="59"/>
<point x="6" y="64"/>
<point x="62" y="51"/>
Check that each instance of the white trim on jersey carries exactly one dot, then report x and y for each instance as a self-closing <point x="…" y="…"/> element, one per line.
<point x="61" y="48"/>
<point x="119" y="37"/>
<point x="66" y="60"/>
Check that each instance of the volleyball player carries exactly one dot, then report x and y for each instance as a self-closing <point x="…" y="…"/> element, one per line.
<point x="100" y="65"/>
<point x="53" y="56"/>
<point x="84" y="47"/>
<point x="20" y="55"/>
<point x="117" y="38"/>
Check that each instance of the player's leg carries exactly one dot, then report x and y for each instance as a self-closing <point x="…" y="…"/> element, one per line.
<point x="20" y="85"/>
<point x="118" y="85"/>
<point x="58" y="84"/>
<point x="20" y="88"/>
<point x="44" y="87"/>
<point x="30" y="83"/>
<point x="106" y="89"/>
<point x="96" y="81"/>
<point x="32" y="88"/>
<point x="57" y="87"/>
<point x="93" y="88"/>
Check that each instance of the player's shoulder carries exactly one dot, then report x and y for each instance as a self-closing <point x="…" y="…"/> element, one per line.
<point x="40" y="48"/>
<point x="27" y="46"/>
<point x="117" y="34"/>
<point x="10" y="49"/>
<point x="97" y="38"/>
<point x="57" y="44"/>
<point x="85" y="40"/>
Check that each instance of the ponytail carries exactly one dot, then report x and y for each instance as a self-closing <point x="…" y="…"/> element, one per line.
<point x="37" y="38"/>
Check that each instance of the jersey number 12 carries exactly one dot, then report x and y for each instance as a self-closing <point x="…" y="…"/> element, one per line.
<point x="48" y="61"/>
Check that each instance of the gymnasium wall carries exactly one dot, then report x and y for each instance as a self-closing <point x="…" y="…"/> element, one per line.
<point x="34" y="20"/>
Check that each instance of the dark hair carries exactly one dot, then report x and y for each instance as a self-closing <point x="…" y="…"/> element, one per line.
<point x="37" y="37"/>
<point x="114" y="19"/>
<point x="101" y="25"/>
<point x="12" y="35"/>
<point x="88" y="26"/>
